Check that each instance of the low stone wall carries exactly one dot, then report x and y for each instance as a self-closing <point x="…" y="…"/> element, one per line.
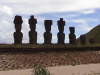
<point x="11" y="61"/>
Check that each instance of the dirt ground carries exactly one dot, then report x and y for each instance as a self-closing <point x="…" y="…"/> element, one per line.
<point x="86" y="69"/>
<point x="11" y="61"/>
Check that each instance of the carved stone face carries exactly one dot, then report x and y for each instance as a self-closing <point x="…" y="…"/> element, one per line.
<point x="48" y="28"/>
<point x="61" y="25"/>
<point x="48" y="24"/>
<point x="32" y="23"/>
<point x="72" y="30"/>
<point x="61" y="22"/>
<point x="32" y="20"/>
<point x="18" y="20"/>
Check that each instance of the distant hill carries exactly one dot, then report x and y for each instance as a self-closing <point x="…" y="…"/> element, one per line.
<point x="94" y="33"/>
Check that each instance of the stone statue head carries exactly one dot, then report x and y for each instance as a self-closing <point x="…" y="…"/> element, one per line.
<point x="72" y="30"/>
<point x="18" y="20"/>
<point x="48" y="24"/>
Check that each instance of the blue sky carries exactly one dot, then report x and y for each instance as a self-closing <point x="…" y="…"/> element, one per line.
<point x="81" y="14"/>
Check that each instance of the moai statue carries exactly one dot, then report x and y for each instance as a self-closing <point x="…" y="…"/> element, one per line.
<point x="61" y="35"/>
<point x="92" y="41"/>
<point x="32" y="33"/>
<point x="18" y="35"/>
<point x="72" y="36"/>
<point x="83" y="39"/>
<point x="47" y="34"/>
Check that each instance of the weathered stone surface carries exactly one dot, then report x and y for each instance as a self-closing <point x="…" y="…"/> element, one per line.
<point x="61" y="35"/>
<point x="18" y="37"/>
<point x="48" y="34"/>
<point x="48" y="24"/>
<point x="32" y="33"/>
<point x="47" y="38"/>
<point x="32" y="23"/>
<point x="72" y="36"/>
<point x="83" y="39"/>
<point x="61" y="38"/>
<point x="18" y="28"/>
<point x="18" y="23"/>
<point x="61" y="25"/>
<point x="33" y="37"/>
<point x="72" y="30"/>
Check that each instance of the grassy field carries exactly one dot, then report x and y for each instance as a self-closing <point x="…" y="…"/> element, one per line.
<point x="45" y="45"/>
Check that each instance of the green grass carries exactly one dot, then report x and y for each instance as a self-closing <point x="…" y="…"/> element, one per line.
<point x="45" y="45"/>
<point x="39" y="70"/>
<point x="94" y="33"/>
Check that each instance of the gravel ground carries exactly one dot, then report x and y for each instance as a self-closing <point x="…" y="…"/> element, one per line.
<point x="11" y="61"/>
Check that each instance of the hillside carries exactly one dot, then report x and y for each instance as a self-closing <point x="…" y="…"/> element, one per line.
<point x="94" y="33"/>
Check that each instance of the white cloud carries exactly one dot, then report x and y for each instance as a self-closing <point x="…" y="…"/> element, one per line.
<point x="47" y="6"/>
<point x="6" y="10"/>
<point x="54" y="38"/>
<point x="92" y="19"/>
<point x="66" y="38"/>
<point x="6" y="31"/>
<point x="84" y="20"/>
<point x="79" y="21"/>
<point x="9" y="8"/>
<point x="72" y="15"/>
<point x="88" y="11"/>
<point x="40" y="31"/>
<point x="82" y="25"/>
<point x="6" y="25"/>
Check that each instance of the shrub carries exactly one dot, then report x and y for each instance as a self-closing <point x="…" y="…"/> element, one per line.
<point x="39" y="70"/>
